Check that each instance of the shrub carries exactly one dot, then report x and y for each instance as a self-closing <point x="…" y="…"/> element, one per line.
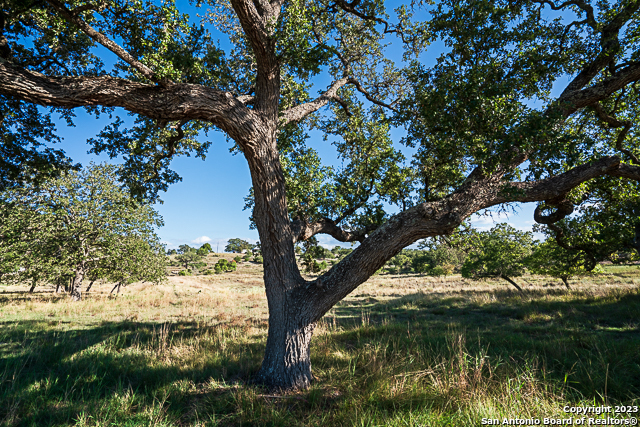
<point x="184" y="273"/>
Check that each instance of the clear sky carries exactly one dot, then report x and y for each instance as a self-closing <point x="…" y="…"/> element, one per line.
<point x="207" y="206"/>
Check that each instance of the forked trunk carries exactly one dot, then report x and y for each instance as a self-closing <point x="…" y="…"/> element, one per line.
<point x="565" y="280"/>
<point x="286" y="364"/>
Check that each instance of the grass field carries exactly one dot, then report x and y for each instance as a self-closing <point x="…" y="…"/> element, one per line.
<point x="399" y="351"/>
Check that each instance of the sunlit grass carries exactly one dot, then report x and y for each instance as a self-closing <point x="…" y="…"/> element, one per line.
<point x="400" y="351"/>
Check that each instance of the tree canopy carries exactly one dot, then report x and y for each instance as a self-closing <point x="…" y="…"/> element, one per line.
<point x="78" y="225"/>
<point x="482" y="126"/>
<point x="237" y="245"/>
<point x="501" y="252"/>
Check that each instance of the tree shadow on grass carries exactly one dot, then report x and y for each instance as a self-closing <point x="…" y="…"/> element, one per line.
<point x="137" y="373"/>
<point x="52" y="377"/>
<point x="588" y="345"/>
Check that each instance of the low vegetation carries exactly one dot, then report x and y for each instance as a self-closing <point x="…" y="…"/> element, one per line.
<point x="403" y="350"/>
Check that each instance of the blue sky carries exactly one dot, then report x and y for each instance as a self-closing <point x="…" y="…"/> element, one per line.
<point x="207" y="206"/>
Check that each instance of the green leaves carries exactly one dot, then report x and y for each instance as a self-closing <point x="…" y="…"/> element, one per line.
<point x="499" y="252"/>
<point x="81" y="220"/>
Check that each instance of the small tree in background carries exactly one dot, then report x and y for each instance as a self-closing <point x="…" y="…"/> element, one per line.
<point x="189" y="258"/>
<point x="550" y="259"/>
<point x="76" y="223"/>
<point x="499" y="253"/>
<point x="182" y="249"/>
<point x="237" y="245"/>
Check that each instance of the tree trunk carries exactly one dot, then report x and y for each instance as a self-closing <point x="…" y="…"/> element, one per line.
<point x="76" y="284"/>
<point x="33" y="286"/>
<point x="513" y="283"/>
<point x="90" y="285"/>
<point x="565" y="280"/>
<point x="287" y="363"/>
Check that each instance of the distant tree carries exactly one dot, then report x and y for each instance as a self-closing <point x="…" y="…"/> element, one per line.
<point x="550" y="259"/>
<point x="189" y="258"/>
<point x="237" y="245"/>
<point x="206" y="247"/>
<point x="401" y="262"/>
<point x="223" y="266"/>
<point x="500" y="253"/>
<point x="172" y="252"/>
<point x="450" y="252"/>
<point x="79" y="222"/>
<point x="182" y="249"/>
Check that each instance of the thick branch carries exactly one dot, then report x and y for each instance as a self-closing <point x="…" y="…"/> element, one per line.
<point x="179" y="102"/>
<point x="441" y="218"/>
<point x="626" y="171"/>
<point x="256" y="26"/>
<point x="615" y="123"/>
<point x="557" y="187"/>
<point x="102" y="39"/>
<point x="303" y="231"/>
<point x="572" y="101"/>
<point x="299" y="112"/>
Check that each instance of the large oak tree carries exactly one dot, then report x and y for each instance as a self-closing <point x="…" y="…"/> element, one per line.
<point x="483" y="126"/>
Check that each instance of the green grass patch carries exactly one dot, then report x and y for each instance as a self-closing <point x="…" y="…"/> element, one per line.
<point x="426" y="358"/>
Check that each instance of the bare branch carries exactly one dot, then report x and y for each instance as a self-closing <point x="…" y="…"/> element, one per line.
<point x="103" y="40"/>
<point x="586" y="8"/>
<point x="89" y="6"/>
<point x="351" y="8"/>
<point x="609" y="42"/>
<point x="371" y="98"/>
<point x="171" y="145"/>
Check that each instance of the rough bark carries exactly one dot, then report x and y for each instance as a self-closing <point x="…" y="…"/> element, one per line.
<point x="76" y="284"/>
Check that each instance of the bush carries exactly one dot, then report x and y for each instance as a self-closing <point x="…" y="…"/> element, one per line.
<point x="258" y="259"/>
<point x="223" y="265"/>
<point x="237" y="259"/>
<point x="184" y="273"/>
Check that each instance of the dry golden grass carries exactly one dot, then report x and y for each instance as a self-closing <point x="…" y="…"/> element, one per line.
<point x="400" y="350"/>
